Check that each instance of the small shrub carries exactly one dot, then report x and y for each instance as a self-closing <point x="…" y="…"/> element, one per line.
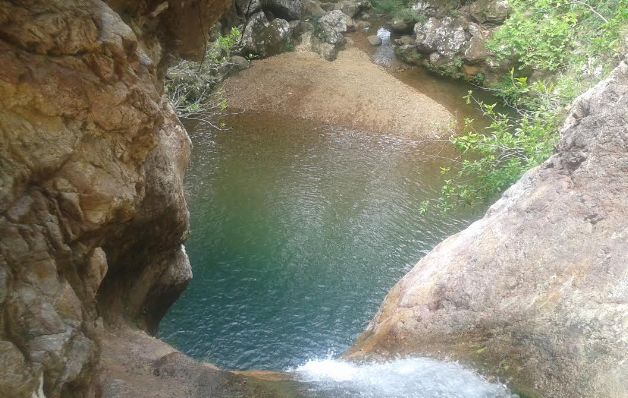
<point x="577" y="42"/>
<point x="192" y="86"/>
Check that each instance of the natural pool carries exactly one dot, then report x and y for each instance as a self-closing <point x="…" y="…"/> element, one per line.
<point x="298" y="232"/>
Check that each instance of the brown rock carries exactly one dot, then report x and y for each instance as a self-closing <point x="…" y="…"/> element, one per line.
<point x="536" y="290"/>
<point x="92" y="212"/>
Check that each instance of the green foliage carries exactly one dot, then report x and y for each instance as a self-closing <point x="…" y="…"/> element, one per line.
<point x="225" y="44"/>
<point x="388" y="6"/>
<point x="398" y="9"/>
<point x="573" y="43"/>
<point x="495" y="158"/>
<point x="192" y="87"/>
<point x="549" y="34"/>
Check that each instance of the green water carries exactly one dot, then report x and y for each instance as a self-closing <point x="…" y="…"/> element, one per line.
<point x="298" y="232"/>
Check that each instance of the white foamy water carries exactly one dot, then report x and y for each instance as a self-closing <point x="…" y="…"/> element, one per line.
<point x="402" y="378"/>
<point x="384" y="35"/>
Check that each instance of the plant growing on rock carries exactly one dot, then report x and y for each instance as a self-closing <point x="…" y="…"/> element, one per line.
<point x="192" y="87"/>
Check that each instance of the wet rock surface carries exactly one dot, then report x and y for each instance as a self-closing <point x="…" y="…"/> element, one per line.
<point x="534" y="292"/>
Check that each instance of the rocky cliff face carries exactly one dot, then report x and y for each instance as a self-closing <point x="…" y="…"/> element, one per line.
<point x="92" y="213"/>
<point x="537" y="290"/>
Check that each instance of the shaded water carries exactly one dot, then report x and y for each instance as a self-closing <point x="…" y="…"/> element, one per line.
<point x="298" y="232"/>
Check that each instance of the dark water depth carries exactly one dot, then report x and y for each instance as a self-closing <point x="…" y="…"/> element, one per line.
<point x="298" y="232"/>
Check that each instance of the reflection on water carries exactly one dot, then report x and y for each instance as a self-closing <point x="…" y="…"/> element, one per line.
<point x="298" y="232"/>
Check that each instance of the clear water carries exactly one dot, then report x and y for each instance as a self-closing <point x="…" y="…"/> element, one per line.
<point x="407" y="378"/>
<point x="298" y="233"/>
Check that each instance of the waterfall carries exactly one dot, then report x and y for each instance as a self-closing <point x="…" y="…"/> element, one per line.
<point x="401" y="378"/>
<point x="384" y="35"/>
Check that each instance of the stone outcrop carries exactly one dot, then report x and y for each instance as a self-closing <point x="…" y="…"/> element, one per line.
<point x="456" y="45"/>
<point x="536" y="291"/>
<point x="92" y="212"/>
<point x="264" y="38"/>
<point x="327" y="37"/>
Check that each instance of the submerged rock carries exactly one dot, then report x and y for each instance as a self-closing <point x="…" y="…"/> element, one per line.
<point x="535" y="291"/>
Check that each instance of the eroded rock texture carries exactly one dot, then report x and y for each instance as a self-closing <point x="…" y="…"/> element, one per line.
<point x="92" y="213"/>
<point x="537" y="290"/>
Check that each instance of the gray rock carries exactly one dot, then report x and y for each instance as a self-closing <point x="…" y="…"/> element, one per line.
<point x="263" y="38"/>
<point x="374" y="40"/>
<point x="326" y="50"/>
<point x="447" y="36"/>
<point x="332" y="25"/>
<point x="536" y="291"/>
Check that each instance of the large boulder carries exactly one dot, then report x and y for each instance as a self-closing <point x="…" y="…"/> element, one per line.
<point x="326" y="37"/>
<point x="536" y="292"/>
<point x="332" y="25"/>
<point x="475" y="50"/>
<point x="446" y="36"/>
<point x="263" y="38"/>
<point x="456" y="47"/>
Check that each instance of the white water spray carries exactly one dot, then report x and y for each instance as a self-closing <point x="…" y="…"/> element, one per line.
<point x="402" y="378"/>
<point x="384" y="35"/>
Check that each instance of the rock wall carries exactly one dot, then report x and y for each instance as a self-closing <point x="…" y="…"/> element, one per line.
<point x="92" y="213"/>
<point x="537" y="290"/>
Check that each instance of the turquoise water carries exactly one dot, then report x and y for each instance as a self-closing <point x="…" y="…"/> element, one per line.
<point x="298" y="232"/>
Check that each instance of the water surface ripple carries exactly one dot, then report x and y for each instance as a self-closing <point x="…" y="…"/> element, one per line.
<point x="298" y="232"/>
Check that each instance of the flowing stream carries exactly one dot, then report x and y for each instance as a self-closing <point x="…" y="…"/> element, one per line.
<point x="298" y="231"/>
